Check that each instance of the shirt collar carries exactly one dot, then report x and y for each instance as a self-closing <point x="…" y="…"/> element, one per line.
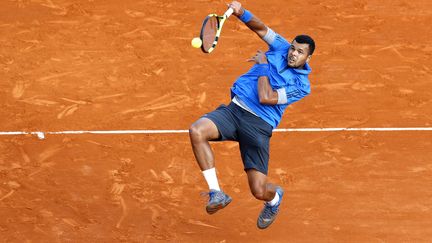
<point x="305" y="71"/>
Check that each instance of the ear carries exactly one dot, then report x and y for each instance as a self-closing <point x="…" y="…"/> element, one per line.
<point x="308" y="58"/>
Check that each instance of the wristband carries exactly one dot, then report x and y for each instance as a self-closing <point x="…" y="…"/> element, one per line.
<point x="246" y="16"/>
<point x="263" y="70"/>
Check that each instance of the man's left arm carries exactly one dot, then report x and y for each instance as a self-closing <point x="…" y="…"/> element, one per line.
<point x="267" y="95"/>
<point x="285" y="95"/>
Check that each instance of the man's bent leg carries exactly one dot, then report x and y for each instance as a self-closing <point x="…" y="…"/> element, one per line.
<point x="259" y="187"/>
<point x="201" y="132"/>
<point x="267" y="192"/>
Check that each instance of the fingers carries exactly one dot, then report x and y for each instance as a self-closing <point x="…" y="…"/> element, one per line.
<point x="253" y="59"/>
<point x="259" y="57"/>
<point x="259" y="52"/>
<point x="236" y="6"/>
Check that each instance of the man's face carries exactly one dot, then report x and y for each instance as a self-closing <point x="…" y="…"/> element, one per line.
<point x="298" y="55"/>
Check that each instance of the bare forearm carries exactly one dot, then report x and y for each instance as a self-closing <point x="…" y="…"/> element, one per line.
<point x="266" y="93"/>
<point x="251" y="21"/>
<point x="257" y="26"/>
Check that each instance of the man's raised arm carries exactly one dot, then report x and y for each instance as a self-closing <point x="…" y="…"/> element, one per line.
<point x="251" y="21"/>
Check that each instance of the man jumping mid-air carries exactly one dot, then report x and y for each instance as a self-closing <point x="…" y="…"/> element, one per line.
<point x="278" y="78"/>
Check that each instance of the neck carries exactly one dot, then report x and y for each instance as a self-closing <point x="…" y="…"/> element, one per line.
<point x="299" y="67"/>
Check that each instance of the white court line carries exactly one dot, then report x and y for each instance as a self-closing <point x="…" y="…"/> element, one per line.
<point x="41" y="134"/>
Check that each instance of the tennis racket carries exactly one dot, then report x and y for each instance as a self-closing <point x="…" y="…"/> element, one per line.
<point x="211" y="30"/>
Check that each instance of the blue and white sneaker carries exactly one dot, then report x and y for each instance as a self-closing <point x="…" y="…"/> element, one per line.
<point x="269" y="213"/>
<point x="217" y="200"/>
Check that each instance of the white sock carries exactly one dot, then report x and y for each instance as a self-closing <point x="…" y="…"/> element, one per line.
<point x="211" y="178"/>
<point x="274" y="200"/>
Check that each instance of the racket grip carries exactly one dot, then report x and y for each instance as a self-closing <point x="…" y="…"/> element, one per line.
<point x="229" y="12"/>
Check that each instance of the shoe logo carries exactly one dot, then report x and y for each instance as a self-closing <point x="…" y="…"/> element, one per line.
<point x="266" y="220"/>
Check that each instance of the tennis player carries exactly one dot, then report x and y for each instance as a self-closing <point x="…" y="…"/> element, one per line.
<point x="278" y="78"/>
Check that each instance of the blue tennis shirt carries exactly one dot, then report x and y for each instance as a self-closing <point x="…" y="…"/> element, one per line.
<point x="294" y="81"/>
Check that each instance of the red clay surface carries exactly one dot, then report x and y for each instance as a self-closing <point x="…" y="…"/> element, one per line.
<point x="105" y="65"/>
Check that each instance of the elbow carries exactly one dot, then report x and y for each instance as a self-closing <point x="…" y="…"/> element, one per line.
<point x="262" y="32"/>
<point x="266" y="100"/>
<point x="263" y="100"/>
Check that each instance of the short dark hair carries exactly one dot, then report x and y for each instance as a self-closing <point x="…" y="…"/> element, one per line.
<point x="305" y="39"/>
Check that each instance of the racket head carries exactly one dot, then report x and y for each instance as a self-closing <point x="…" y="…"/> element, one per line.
<point x="208" y="33"/>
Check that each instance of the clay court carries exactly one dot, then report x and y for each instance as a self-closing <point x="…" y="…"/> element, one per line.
<point x="128" y="65"/>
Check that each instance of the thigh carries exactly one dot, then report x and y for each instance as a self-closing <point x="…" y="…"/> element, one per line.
<point x="255" y="154"/>
<point x="225" y="122"/>
<point x="254" y="140"/>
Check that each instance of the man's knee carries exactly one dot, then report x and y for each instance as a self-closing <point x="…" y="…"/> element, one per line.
<point x="196" y="131"/>
<point x="257" y="183"/>
<point x="203" y="129"/>
<point x="258" y="191"/>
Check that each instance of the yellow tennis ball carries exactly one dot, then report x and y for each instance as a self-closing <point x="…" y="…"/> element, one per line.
<point x="196" y="42"/>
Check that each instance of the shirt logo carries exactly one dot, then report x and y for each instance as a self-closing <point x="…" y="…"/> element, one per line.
<point x="283" y="70"/>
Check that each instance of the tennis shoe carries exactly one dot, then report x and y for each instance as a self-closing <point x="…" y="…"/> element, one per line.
<point x="269" y="213"/>
<point x="217" y="200"/>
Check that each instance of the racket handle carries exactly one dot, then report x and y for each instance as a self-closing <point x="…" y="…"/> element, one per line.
<point x="229" y="12"/>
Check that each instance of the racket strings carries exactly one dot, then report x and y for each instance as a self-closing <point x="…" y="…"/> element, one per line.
<point x="209" y="32"/>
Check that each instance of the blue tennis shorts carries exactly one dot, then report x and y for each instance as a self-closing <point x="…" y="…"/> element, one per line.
<point x="253" y="134"/>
